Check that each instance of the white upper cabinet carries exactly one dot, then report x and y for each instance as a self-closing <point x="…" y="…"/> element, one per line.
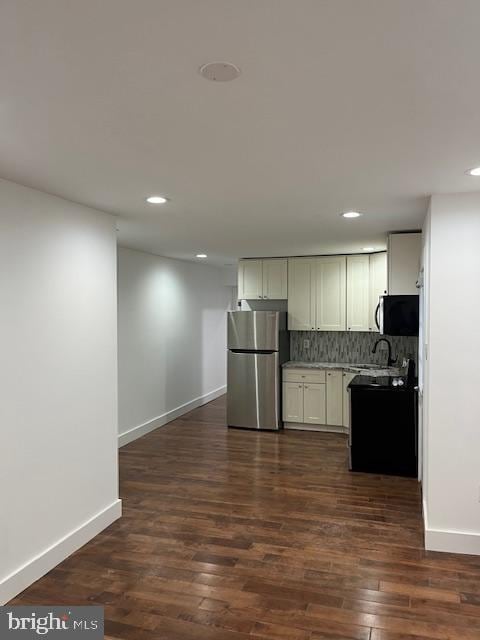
<point x="324" y="293"/>
<point x="378" y="284"/>
<point x="250" y="280"/>
<point x="301" y="294"/>
<point x="262" y="279"/>
<point x="275" y="279"/>
<point x="404" y="251"/>
<point x="358" y="300"/>
<point x="330" y="288"/>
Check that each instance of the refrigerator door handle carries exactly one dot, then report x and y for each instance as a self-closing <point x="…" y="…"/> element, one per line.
<point x="266" y="352"/>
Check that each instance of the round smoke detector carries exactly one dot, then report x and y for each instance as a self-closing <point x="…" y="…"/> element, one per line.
<point x="219" y="71"/>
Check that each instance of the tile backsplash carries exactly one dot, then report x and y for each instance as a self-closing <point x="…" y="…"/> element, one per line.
<point x="349" y="346"/>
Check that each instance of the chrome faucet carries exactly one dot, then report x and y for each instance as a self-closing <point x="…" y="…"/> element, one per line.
<point x="390" y="360"/>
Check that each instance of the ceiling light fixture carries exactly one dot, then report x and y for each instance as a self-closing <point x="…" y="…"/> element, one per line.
<point x="201" y="255"/>
<point x="156" y="200"/>
<point x="219" y="71"/>
<point x="474" y="172"/>
<point x="351" y="214"/>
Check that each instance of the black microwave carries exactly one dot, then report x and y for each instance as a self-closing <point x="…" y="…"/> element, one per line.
<point x="398" y="315"/>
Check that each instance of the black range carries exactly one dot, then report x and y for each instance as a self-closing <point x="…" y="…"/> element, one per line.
<point x="383" y="430"/>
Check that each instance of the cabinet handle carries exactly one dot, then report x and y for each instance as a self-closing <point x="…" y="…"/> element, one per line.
<point x="300" y="386"/>
<point x="259" y="296"/>
<point x="305" y="386"/>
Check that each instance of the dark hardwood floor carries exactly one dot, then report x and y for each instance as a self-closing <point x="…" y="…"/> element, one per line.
<point x="231" y="534"/>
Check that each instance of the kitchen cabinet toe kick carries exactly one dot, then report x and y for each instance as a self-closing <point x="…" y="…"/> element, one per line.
<point x="326" y="428"/>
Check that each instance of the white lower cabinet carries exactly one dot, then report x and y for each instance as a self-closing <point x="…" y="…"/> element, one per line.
<point x="334" y="397"/>
<point x="313" y="397"/>
<point x="293" y="402"/>
<point x="314" y="404"/>
<point x="347" y="377"/>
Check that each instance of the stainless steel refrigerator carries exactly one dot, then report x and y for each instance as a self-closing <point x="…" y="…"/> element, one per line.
<point x="258" y="345"/>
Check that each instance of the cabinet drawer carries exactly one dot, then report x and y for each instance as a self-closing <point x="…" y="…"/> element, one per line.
<point x="304" y="375"/>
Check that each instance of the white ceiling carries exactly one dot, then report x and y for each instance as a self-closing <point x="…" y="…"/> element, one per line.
<point x="342" y="104"/>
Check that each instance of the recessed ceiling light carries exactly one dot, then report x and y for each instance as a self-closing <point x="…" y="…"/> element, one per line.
<point x="201" y="255"/>
<point x="156" y="200"/>
<point x="474" y="172"/>
<point x="368" y="248"/>
<point x="219" y="71"/>
<point x="351" y="214"/>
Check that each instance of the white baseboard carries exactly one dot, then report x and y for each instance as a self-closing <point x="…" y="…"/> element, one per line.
<point x="160" y="421"/>
<point x="450" y="540"/>
<point x="34" y="569"/>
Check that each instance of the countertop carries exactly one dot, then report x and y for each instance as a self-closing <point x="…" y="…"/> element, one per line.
<point x="366" y="370"/>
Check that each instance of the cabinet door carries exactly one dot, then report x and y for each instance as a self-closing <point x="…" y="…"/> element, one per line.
<point x="404" y="250"/>
<point x="378" y="284"/>
<point x="330" y="287"/>
<point x="358" y="299"/>
<point x="334" y="398"/>
<point x="250" y="280"/>
<point x="301" y="294"/>
<point x="292" y="402"/>
<point x="314" y="404"/>
<point x="347" y="378"/>
<point x="275" y="279"/>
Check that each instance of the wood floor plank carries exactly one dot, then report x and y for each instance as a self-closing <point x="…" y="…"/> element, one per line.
<point x="236" y="535"/>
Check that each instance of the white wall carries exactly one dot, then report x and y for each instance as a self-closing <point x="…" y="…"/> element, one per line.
<point x="58" y="381"/>
<point x="172" y="338"/>
<point x="452" y="424"/>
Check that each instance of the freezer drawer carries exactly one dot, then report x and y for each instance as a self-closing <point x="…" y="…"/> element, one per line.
<point x="255" y="330"/>
<point x="253" y="393"/>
